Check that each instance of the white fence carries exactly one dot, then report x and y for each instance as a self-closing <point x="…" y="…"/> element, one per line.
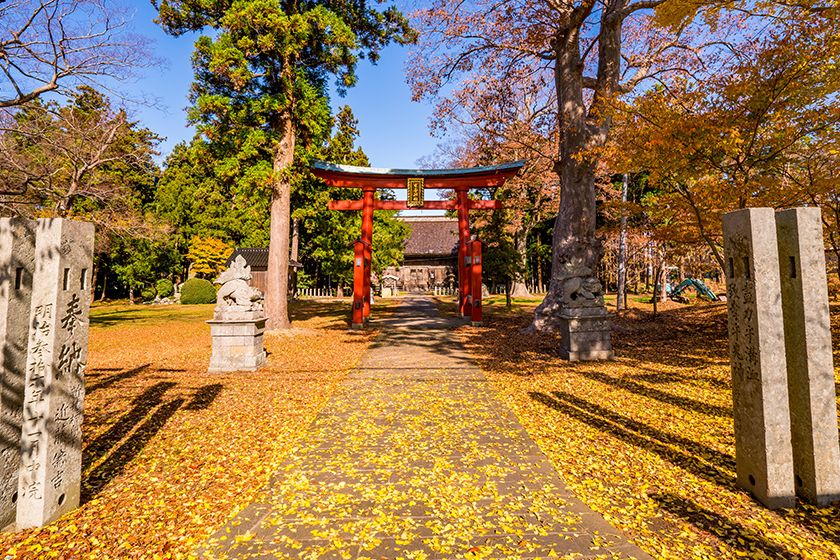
<point x="437" y="290"/>
<point x="320" y="292"/>
<point x="534" y="290"/>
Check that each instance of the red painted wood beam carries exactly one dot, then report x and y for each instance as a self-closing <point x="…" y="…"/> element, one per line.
<point x="353" y="181"/>
<point x="401" y="205"/>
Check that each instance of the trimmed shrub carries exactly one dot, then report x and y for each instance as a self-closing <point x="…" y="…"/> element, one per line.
<point x="147" y="293"/>
<point x="198" y="290"/>
<point x="164" y="287"/>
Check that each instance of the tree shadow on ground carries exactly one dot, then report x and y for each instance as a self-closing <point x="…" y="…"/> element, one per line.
<point x="733" y="534"/>
<point x="417" y="324"/>
<point x="116" y="378"/>
<point x="118" y="445"/>
<point x="685" y="403"/>
<point x="305" y="310"/>
<point x="702" y="461"/>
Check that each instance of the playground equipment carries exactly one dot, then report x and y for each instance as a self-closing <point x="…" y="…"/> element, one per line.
<point x="701" y="288"/>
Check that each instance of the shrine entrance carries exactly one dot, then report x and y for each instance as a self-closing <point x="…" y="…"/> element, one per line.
<point x="416" y="181"/>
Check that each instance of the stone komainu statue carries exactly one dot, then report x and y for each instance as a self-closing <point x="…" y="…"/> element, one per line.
<point x="236" y="299"/>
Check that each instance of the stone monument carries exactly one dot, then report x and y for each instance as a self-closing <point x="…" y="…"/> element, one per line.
<point x="17" y="261"/>
<point x="238" y="322"/>
<point x="810" y="367"/>
<point x="763" y="453"/>
<point x="51" y="436"/>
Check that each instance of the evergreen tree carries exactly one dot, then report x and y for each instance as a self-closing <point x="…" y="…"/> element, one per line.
<point x="261" y="78"/>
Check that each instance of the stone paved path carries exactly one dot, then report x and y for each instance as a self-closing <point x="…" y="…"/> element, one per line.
<point x="415" y="458"/>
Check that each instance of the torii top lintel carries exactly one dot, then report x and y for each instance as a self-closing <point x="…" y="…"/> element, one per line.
<point x="351" y="176"/>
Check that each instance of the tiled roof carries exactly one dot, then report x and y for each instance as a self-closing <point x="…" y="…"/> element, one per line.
<point x="431" y="236"/>
<point x="256" y="257"/>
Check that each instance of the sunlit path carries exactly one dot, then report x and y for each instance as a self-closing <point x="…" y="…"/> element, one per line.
<point x="416" y="458"/>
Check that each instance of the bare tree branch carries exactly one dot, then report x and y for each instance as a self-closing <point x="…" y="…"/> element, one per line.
<point x="55" y="45"/>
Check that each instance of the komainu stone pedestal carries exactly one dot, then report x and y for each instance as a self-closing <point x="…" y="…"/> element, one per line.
<point x="763" y="453"/>
<point x="585" y="334"/>
<point x="238" y="322"/>
<point x="237" y="345"/>
<point x="810" y="367"/>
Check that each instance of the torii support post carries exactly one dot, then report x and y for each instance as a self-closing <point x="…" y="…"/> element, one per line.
<point x="367" y="240"/>
<point x="464" y="305"/>
<point x="475" y="275"/>
<point x="359" y="269"/>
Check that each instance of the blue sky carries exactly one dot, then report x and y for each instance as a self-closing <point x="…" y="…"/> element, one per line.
<point x="393" y="130"/>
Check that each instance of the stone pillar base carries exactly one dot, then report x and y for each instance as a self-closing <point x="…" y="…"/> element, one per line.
<point x="585" y="335"/>
<point x="237" y="345"/>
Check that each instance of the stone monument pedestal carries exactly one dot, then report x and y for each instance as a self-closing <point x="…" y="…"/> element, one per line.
<point x="761" y="413"/>
<point x="585" y="333"/>
<point x="237" y="344"/>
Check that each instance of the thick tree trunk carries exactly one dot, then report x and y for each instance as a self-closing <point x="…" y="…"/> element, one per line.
<point x="131" y="294"/>
<point x="519" y="288"/>
<point x="576" y="251"/>
<point x="277" y="275"/>
<point x="621" y="281"/>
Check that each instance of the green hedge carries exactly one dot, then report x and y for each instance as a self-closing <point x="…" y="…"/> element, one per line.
<point x="198" y="290"/>
<point x="164" y="287"/>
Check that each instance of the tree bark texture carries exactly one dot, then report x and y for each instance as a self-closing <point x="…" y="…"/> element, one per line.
<point x="277" y="275"/>
<point x="576" y="251"/>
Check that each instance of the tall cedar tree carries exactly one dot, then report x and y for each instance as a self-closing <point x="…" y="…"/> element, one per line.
<point x="265" y="66"/>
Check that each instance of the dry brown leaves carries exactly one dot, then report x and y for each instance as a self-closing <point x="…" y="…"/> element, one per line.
<point x="647" y="440"/>
<point x="170" y="451"/>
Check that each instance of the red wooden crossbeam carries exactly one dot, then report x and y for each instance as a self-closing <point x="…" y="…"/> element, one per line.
<point x="402" y="205"/>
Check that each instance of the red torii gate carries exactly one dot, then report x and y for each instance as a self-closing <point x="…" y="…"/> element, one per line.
<point x="368" y="179"/>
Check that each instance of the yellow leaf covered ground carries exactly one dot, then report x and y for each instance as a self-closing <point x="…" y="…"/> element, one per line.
<point x="170" y="451"/>
<point x="647" y="440"/>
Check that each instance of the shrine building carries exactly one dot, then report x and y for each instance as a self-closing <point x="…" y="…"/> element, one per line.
<point x="430" y="256"/>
